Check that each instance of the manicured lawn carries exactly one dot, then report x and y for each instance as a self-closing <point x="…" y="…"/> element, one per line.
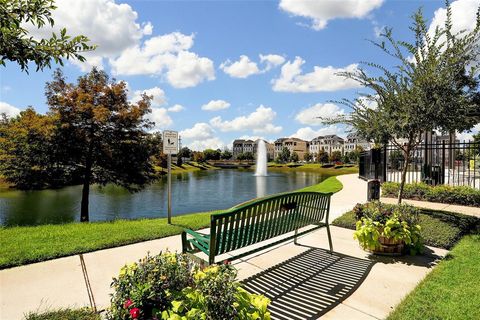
<point x="451" y="290"/>
<point x="22" y="245"/>
<point x="65" y="314"/>
<point x="439" y="228"/>
<point x="313" y="167"/>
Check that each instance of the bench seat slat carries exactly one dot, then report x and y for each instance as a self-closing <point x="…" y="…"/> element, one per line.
<point x="260" y="220"/>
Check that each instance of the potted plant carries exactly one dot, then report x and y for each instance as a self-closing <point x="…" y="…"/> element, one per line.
<point x="387" y="229"/>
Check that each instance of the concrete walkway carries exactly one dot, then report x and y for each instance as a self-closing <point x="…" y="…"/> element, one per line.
<point x="61" y="282"/>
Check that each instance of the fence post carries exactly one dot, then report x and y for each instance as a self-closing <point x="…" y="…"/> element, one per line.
<point x="442" y="178"/>
<point x="384" y="163"/>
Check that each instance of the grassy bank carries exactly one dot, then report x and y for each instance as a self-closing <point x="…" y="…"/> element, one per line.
<point x="23" y="245"/>
<point x="187" y="167"/>
<point x="313" y="167"/>
<point x="451" y="290"/>
<point x="439" y="228"/>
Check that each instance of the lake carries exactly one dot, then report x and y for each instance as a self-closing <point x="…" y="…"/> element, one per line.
<point x="191" y="192"/>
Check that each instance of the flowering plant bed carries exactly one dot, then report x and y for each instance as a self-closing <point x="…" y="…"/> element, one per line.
<point x="388" y="229"/>
<point x="173" y="286"/>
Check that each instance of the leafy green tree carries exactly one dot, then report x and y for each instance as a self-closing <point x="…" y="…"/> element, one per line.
<point x="28" y="151"/>
<point x="307" y="156"/>
<point x="284" y="155"/>
<point x="322" y="156"/>
<point x="335" y="156"/>
<point x="198" y="157"/>
<point x="101" y="133"/>
<point x="294" y="157"/>
<point x="185" y="152"/>
<point x="226" y="155"/>
<point x="248" y="156"/>
<point x="162" y="160"/>
<point x="433" y="86"/>
<point x="211" y="154"/>
<point x="18" y="46"/>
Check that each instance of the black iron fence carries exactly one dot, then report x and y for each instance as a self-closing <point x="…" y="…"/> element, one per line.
<point x="433" y="163"/>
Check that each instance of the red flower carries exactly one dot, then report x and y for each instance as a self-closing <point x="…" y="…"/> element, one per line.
<point x="127" y="303"/>
<point x="135" y="312"/>
<point x="226" y="262"/>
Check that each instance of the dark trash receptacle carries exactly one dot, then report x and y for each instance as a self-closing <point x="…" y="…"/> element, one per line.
<point x="373" y="190"/>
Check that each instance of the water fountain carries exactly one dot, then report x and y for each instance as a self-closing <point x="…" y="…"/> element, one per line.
<point x="261" y="159"/>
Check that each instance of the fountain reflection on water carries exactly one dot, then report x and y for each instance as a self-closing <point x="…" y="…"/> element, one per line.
<point x="261" y="159"/>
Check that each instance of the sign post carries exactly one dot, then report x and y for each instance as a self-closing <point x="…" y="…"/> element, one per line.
<point x="170" y="146"/>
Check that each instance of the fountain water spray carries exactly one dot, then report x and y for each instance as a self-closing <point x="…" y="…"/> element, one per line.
<point x="261" y="159"/>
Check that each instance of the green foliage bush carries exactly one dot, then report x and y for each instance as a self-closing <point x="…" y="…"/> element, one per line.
<point x="65" y="314"/>
<point x="396" y="222"/>
<point x="172" y="286"/>
<point x="438" y="228"/>
<point x="462" y="195"/>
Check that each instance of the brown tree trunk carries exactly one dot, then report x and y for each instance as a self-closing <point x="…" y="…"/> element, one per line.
<point x="404" y="174"/>
<point x="84" y="215"/>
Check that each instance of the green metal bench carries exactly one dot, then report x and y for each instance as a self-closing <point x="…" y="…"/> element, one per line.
<point x="260" y="220"/>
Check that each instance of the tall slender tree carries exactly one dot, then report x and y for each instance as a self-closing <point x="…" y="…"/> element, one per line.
<point x="434" y="86"/>
<point x="101" y="132"/>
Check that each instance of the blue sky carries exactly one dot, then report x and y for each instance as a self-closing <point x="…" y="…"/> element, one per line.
<point x="221" y="70"/>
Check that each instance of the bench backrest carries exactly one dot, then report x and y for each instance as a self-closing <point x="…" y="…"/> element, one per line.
<point x="266" y="218"/>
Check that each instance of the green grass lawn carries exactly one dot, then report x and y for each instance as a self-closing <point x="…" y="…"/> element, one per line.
<point x="439" y="228"/>
<point x="451" y="290"/>
<point x="313" y="167"/>
<point x="64" y="314"/>
<point x="23" y="245"/>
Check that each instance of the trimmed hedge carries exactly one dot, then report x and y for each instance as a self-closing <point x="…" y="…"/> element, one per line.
<point x="461" y="195"/>
<point x="439" y="228"/>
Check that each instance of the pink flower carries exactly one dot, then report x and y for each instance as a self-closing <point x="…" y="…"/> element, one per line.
<point x="127" y="303"/>
<point x="135" y="312"/>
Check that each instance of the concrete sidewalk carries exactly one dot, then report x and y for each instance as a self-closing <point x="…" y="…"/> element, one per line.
<point x="61" y="283"/>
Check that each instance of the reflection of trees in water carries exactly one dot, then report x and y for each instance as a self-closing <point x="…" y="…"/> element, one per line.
<point x="192" y="192"/>
<point x="40" y="207"/>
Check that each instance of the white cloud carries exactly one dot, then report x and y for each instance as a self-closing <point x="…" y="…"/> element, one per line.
<point x="311" y="115"/>
<point x="200" y="137"/>
<point x="200" y="145"/>
<point x="8" y="109"/>
<point x="468" y="136"/>
<point x="308" y="133"/>
<point x="215" y="105"/>
<point x="112" y="27"/>
<point x="242" y="68"/>
<point x="260" y="121"/>
<point x="271" y="60"/>
<point x="176" y="108"/>
<point x="463" y="16"/>
<point x="320" y="79"/>
<point x="160" y="117"/>
<point x="200" y="131"/>
<point x="166" y="53"/>
<point x="167" y="56"/>
<point x="320" y="12"/>
<point x="155" y="92"/>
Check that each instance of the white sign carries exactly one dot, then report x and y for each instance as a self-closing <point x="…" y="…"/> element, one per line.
<point x="170" y="142"/>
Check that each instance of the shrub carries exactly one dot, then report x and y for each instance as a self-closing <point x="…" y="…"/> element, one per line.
<point x="172" y="286"/>
<point x="396" y="222"/>
<point x="438" y="228"/>
<point x="462" y="195"/>
<point x="328" y="165"/>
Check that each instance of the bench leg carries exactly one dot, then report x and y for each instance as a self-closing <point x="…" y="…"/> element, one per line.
<point x="329" y="238"/>
<point x="184" y="242"/>
<point x="295" y="237"/>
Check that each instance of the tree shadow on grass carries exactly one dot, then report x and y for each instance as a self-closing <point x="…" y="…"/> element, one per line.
<point x="309" y="284"/>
